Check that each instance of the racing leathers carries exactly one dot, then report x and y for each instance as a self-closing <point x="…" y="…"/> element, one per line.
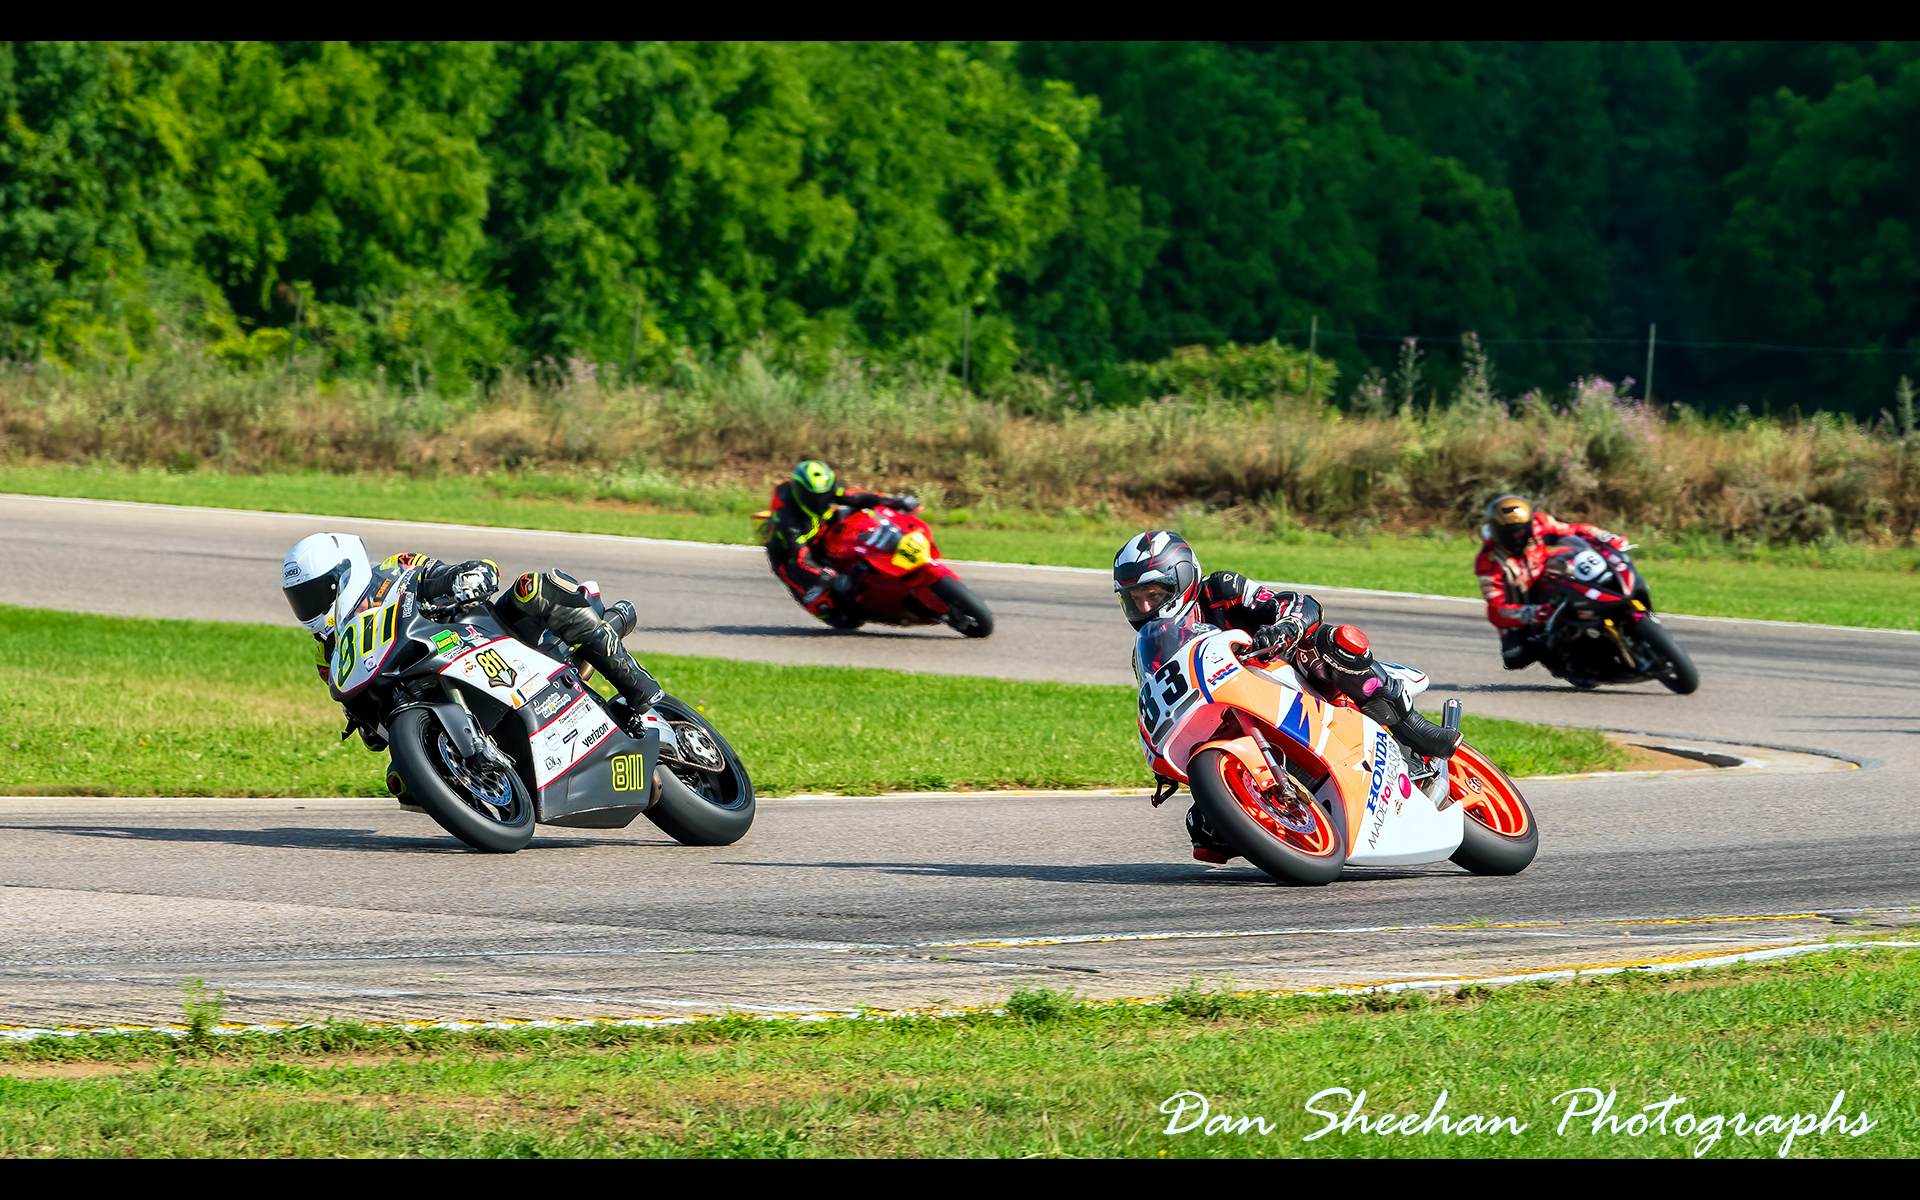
<point x="1509" y="579"/>
<point x="793" y="535"/>
<point x="1336" y="658"/>
<point x="538" y="603"/>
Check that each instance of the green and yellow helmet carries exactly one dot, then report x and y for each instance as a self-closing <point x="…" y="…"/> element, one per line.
<point x="814" y="488"/>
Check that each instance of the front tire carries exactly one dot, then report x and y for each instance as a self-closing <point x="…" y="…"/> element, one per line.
<point x="696" y="807"/>
<point x="493" y="814"/>
<point x="1499" y="836"/>
<point x="966" y="613"/>
<point x="1292" y="839"/>
<point x="1681" y="676"/>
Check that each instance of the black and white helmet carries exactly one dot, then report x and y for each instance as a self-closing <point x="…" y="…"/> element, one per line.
<point x="320" y="569"/>
<point x="1156" y="575"/>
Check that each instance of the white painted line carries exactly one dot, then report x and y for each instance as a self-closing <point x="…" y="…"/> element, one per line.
<point x="385" y="521"/>
<point x="967" y="562"/>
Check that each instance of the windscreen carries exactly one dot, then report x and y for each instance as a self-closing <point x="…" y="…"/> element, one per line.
<point x="1160" y="640"/>
<point x="1575" y="558"/>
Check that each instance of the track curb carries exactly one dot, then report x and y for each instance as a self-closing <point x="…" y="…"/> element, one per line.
<point x="1686" y="962"/>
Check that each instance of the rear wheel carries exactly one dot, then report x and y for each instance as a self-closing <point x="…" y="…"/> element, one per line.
<point x="701" y="807"/>
<point x="965" y="612"/>
<point x="1283" y="831"/>
<point x="1680" y="676"/>
<point x="1499" y="836"/>
<point x="488" y="807"/>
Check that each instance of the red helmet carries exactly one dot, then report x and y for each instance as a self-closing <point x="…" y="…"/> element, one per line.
<point x="1155" y="575"/>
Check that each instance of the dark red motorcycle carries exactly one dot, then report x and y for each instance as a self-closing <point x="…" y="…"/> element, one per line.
<point x="1603" y="629"/>
<point x="897" y="573"/>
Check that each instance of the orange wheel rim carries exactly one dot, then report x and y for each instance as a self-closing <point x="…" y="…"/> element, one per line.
<point x="1298" y="822"/>
<point x="1484" y="793"/>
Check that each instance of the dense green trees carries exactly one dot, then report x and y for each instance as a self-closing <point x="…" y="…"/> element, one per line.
<point x="442" y="210"/>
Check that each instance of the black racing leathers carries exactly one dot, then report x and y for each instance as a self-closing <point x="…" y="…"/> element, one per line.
<point x="550" y="602"/>
<point x="792" y="534"/>
<point x="557" y="602"/>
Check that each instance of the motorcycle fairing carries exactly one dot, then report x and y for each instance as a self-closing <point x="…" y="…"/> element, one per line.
<point x="367" y="627"/>
<point x="898" y="560"/>
<point x="1187" y="698"/>
<point x="607" y="787"/>
<point x="505" y="668"/>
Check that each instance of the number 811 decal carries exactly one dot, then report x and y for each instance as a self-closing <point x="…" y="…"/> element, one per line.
<point x="370" y="634"/>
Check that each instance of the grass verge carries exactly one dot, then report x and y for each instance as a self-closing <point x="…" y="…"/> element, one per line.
<point x="133" y="707"/>
<point x="1045" y="1077"/>
<point x="1874" y="590"/>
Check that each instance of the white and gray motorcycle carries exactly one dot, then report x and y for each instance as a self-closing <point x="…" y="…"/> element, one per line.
<point x="490" y="736"/>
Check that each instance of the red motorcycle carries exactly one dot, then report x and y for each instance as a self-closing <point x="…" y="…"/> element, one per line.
<point x="897" y="573"/>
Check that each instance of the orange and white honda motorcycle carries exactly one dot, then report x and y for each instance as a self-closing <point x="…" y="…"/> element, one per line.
<point x="1302" y="785"/>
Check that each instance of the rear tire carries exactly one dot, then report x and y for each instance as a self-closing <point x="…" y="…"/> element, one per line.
<point x="1498" y="836"/>
<point x="1259" y="828"/>
<point x="1681" y="677"/>
<point x="701" y="808"/>
<point x="965" y="611"/>
<point x="432" y="783"/>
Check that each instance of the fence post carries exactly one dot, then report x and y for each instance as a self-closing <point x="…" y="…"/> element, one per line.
<point x="1313" y="344"/>
<point x="966" y="347"/>
<point x="1647" y="391"/>
<point x="633" y="342"/>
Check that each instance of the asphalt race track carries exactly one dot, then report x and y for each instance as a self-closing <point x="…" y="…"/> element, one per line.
<point x="306" y="908"/>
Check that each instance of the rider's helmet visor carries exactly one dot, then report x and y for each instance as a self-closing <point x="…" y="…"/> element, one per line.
<point x="315" y="596"/>
<point x="1143" y="598"/>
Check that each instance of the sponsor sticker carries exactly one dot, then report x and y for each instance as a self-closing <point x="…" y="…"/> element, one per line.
<point x="445" y="641"/>
<point x="549" y="704"/>
<point x="629" y="772"/>
<point x="500" y="673"/>
<point x="606" y="727"/>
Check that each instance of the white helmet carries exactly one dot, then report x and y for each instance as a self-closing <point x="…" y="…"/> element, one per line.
<point x="318" y="571"/>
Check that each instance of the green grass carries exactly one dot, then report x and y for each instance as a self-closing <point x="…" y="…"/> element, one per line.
<point x="1047" y="1077"/>
<point x="127" y="706"/>
<point x="1877" y="590"/>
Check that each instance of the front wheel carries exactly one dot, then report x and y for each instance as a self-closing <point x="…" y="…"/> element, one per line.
<point x="1283" y="831"/>
<point x="700" y="807"/>
<point x="965" y="611"/>
<point x="488" y="807"/>
<point x="1680" y="676"/>
<point x="1498" y="835"/>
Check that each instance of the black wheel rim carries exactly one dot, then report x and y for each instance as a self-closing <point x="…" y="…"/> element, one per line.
<point x="488" y="790"/>
<point x="719" y="785"/>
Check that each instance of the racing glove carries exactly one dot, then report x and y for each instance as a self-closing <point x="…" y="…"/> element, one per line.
<point x="905" y="504"/>
<point x="1534" y="617"/>
<point x="1280" y="638"/>
<point x="476" y="581"/>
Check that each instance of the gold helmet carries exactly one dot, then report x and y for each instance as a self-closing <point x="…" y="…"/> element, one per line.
<point x="1509" y="522"/>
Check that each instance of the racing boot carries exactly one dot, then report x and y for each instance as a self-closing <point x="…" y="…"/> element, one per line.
<point x="559" y="602"/>
<point x="1342" y="659"/>
<point x="1207" y="846"/>
<point x="1518" y="651"/>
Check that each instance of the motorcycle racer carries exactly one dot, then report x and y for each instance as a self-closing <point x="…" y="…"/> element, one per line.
<point x="1513" y="556"/>
<point x="1157" y="574"/>
<point x="799" y="512"/>
<point x="324" y="566"/>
